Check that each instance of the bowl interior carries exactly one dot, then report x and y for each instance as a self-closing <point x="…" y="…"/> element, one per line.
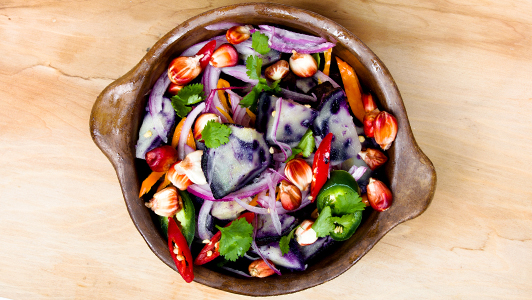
<point x="118" y="112"/>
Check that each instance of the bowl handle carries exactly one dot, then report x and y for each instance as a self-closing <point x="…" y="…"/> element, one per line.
<point x="110" y="121"/>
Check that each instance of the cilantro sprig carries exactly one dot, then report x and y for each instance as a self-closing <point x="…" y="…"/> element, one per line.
<point x="215" y="134"/>
<point x="285" y="241"/>
<point x="305" y="147"/>
<point x="236" y="239"/>
<point x="188" y="95"/>
<point x="254" y="69"/>
<point x="259" y="42"/>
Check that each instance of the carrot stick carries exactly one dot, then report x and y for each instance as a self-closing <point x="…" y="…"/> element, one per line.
<point x="352" y="89"/>
<point x="149" y="182"/>
<point x="327" y="65"/>
<point x="177" y="133"/>
<point x="221" y="93"/>
<point x="164" y="184"/>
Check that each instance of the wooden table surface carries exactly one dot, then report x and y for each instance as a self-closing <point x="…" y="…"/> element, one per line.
<point x="464" y="70"/>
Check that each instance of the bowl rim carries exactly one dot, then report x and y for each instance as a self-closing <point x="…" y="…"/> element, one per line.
<point x="113" y="133"/>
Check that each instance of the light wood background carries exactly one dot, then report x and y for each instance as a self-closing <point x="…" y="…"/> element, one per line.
<point x="464" y="69"/>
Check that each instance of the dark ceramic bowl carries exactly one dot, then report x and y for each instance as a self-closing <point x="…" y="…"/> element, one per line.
<point x="117" y="114"/>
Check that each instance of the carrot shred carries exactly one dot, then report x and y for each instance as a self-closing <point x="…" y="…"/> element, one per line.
<point x="230" y="120"/>
<point x="327" y="65"/>
<point x="254" y="201"/>
<point x="177" y="134"/>
<point x="251" y="115"/>
<point x="149" y="182"/>
<point x="164" y="184"/>
<point x="352" y="87"/>
<point x="221" y="93"/>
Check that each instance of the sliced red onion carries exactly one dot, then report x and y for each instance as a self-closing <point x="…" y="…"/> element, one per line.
<point x="357" y="172"/>
<point x="255" y="209"/>
<point x="240" y="115"/>
<point x="291" y="36"/>
<point x="256" y="248"/>
<point x="192" y="50"/>
<point x="188" y="150"/>
<point x="210" y="107"/>
<point x="222" y="25"/>
<point x="298" y="97"/>
<point x="210" y="78"/>
<point x="321" y="77"/>
<point x="186" y="129"/>
<point x="155" y="104"/>
<point x="242" y="273"/>
<point x="286" y="41"/>
<point x="239" y="72"/>
<point x="205" y="210"/>
<point x="245" y="48"/>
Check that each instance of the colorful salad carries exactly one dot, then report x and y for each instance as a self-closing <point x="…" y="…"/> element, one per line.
<point x="263" y="150"/>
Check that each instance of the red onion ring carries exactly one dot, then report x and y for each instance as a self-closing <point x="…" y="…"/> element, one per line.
<point x="191" y="117"/>
<point x="204" y="212"/>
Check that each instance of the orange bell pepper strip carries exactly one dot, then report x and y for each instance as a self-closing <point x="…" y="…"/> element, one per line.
<point x="149" y="182"/>
<point x="327" y="65"/>
<point x="177" y="133"/>
<point x="352" y="88"/>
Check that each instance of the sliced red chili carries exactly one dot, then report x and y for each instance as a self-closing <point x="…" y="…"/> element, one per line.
<point x="177" y="244"/>
<point x="207" y="51"/>
<point x="320" y="166"/>
<point x="212" y="249"/>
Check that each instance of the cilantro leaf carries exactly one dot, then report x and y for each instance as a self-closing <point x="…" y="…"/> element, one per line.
<point x="345" y="203"/>
<point x="295" y="151"/>
<point x="250" y="98"/>
<point x="192" y="93"/>
<point x="345" y="221"/>
<point x="259" y="42"/>
<point x="317" y="58"/>
<point x="324" y="224"/>
<point x="285" y="241"/>
<point x="253" y="66"/>
<point x="236" y="239"/>
<point x="215" y="134"/>
<point x="180" y="108"/>
<point x="305" y="146"/>
<point x="188" y="95"/>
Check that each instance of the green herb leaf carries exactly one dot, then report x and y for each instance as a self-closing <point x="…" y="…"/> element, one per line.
<point x="324" y="224"/>
<point x="345" y="221"/>
<point x="346" y="203"/>
<point x="253" y="66"/>
<point x="285" y="241"/>
<point x="250" y="98"/>
<point x="259" y="42"/>
<point x="236" y="239"/>
<point x="215" y="134"/>
<point x="191" y="94"/>
<point x="317" y="58"/>
<point x="305" y="147"/>
<point x="180" y="108"/>
<point x="188" y="95"/>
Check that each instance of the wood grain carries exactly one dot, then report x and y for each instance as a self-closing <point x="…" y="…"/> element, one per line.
<point x="464" y="72"/>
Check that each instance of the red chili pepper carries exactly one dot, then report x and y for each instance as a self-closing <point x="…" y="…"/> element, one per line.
<point x="213" y="246"/>
<point x="320" y="166"/>
<point x="183" y="257"/>
<point x="207" y="51"/>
